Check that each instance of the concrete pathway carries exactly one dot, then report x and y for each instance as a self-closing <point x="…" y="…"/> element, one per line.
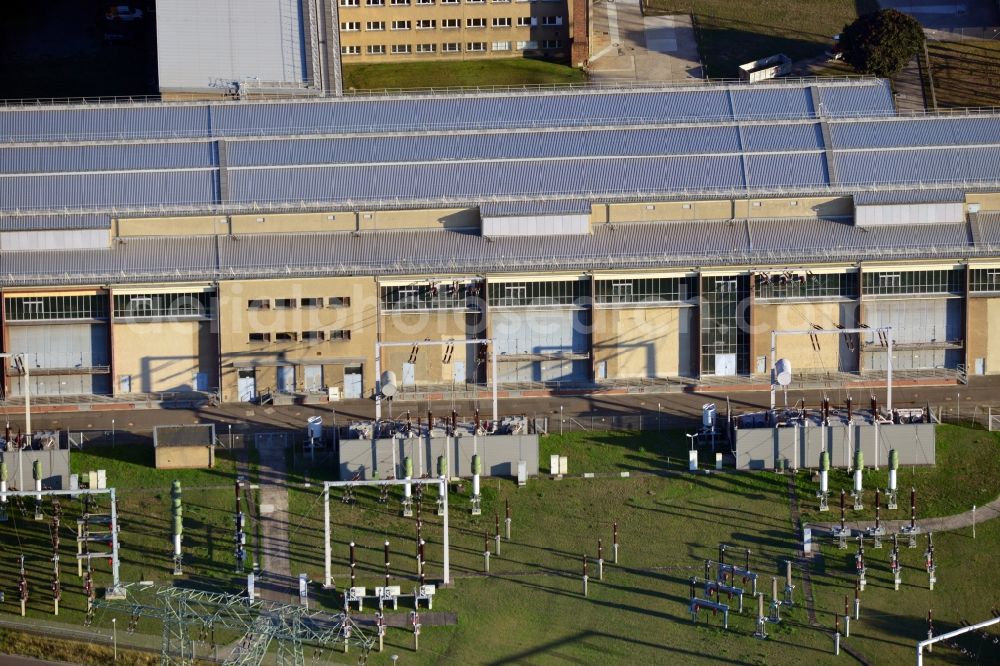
<point x="277" y="583"/>
<point x="942" y="524"/>
<point x="628" y="46"/>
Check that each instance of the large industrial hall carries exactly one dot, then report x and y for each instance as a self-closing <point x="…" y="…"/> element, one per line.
<point x="594" y="237"/>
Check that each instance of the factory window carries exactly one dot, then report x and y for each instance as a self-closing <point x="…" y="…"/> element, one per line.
<point x="450" y="23"/>
<point x="943" y="281"/>
<point x="350" y="50"/>
<point x="432" y="296"/>
<point x="260" y="338"/>
<point x="259" y="304"/>
<point x="339" y="302"/>
<point x="501" y="46"/>
<point x="285" y="336"/>
<point x="426" y="24"/>
<point x="984" y="279"/>
<point x="426" y="48"/>
<point x="475" y="46"/>
<point x="501" y="22"/>
<point x="311" y="303"/>
<point x="525" y="21"/>
<point x="375" y="26"/>
<point x="645" y="290"/>
<point x="451" y="47"/>
<point x="552" y="20"/>
<point x="312" y="336"/>
<point x="400" y="25"/>
<point x="340" y="335"/>
<point x="34" y="308"/>
<point x="350" y="26"/>
<point x="475" y="23"/>
<point x="376" y="49"/>
<point x="516" y="294"/>
<point x="804" y="284"/>
<point x="724" y="325"/>
<point x="163" y="305"/>
<point x="284" y="303"/>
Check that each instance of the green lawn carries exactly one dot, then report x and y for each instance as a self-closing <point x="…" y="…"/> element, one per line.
<point x="531" y="610"/>
<point x="731" y="33"/>
<point x="464" y="73"/>
<point x="967" y="472"/>
<point x="133" y="466"/>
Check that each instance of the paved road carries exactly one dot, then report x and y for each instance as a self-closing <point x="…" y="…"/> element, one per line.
<point x="677" y="409"/>
<point x="276" y="583"/>
<point x="7" y="660"/>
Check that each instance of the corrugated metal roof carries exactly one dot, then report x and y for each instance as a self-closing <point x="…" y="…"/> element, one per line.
<point x="521" y="208"/>
<point x="42" y="222"/>
<point x="200" y="43"/>
<point x="399" y="252"/>
<point x="782" y="137"/>
<point x="888" y="197"/>
<point x="549" y="108"/>
<point x="104" y="157"/>
<point x="106" y="190"/>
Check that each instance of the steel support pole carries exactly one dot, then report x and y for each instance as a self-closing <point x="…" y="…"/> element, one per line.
<point x="493" y="348"/>
<point x="327" y="576"/>
<point x="378" y="381"/>
<point x="774" y="353"/>
<point x="888" y="369"/>
<point x="446" y="560"/>
<point x="116" y="587"/>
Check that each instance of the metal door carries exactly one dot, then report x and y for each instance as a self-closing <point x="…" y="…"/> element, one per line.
<point x="125" y="384"/>
<point x="458" y="372"/>
<point x="313" y="378"/>
<point x="725" y="365"/>
<point x="246" y="385"/>
<point x="980" y="366"/>
<point x="352" y="383"/>
<point x="201" y="381"/>
<point x="286" y="379"/>
<point x="409" y="374"/>
<point x="602" y="370"/>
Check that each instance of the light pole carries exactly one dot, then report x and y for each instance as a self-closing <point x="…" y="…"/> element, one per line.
<point x="560" y="419"/>
<point x="112" y="433"/>
<point x="230" y="436"/>
<point x="659" y="413"/>
<point x="691" y="436"/>
<point x="114" y="633"/>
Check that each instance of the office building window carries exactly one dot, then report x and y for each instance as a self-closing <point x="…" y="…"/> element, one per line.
<point x="340" y="335"/>
<point x="526" y="21"/>
<point x="450" y="24"/>
<point x="426" y="24"/>
<point x="451" y="47"/>
<point x="350" y="50"/>
<point x="375" y="26"/>
<point x="425" y="2"/>
<point x="501" y="46"/>
<point x="551" y="44"/>
<point x="400" y="49"/>
<point x="552" y="20"/>
<point x="398" y="3"/>
<point x="426" y="48"/>
<point x="475" y="23"/>
<point x="529" y="45"/>
<point x="350" y="3"/>
<point x="400" y="25"/>
<point x="501" y="22"/>
<point x="350" y="26"/>
<point x="374" y="3"/>
<point x="376" y="49"/>
<point x="474" y="47"/>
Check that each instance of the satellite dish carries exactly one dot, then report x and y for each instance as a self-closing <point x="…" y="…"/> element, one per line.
<point x="783" y="372"/>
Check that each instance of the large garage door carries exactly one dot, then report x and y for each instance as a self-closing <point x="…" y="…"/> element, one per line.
<point x="530" y="336"/>
<point x="923" y="329"/>
<point x="77" y="348"/>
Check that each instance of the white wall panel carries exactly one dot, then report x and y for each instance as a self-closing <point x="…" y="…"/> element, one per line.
<point x="69" y="239"/>
<point x="920" y="213"/>
<point x="536" y="225"/>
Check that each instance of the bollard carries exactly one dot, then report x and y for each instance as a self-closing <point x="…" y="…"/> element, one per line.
<point x="614" y="528"/>
<point x="585" y="575"/>
<point x="847" y="619"/>
<point x="486" y="551"/>
<point x="507" y="520"/>
<point x="600" y="560"/>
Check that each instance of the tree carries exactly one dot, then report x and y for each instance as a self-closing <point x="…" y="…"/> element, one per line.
<point x="881" y="43"/>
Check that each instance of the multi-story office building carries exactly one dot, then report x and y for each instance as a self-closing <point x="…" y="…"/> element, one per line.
<point x="217" y="49"/>
<point x="598" y="237"/>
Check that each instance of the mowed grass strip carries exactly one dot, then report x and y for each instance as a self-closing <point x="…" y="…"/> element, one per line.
<point x="732" y="33"/>
<point x="465" y="73"/>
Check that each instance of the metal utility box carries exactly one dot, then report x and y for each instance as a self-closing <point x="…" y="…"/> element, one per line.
<point x="770" y="67"/>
